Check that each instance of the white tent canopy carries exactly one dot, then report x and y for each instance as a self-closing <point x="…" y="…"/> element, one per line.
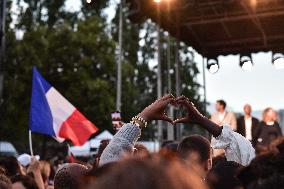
<point x="105" y="135"/>
<point x="88" y="148"/>
<point x="94" y="143"/>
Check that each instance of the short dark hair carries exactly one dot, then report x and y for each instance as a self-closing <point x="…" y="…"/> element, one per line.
<point x="151" y="172"/>
<point x="263" y="168"/>
<point x="224" y="175"/>
<point x="27" y="181"/>
<point x="68" y="177"/>
<point x="11" y="165"/>
<point x="275" y="181"/>
<point x="5" y="183"/>
<point x="222" y="102"/>
<point x="194" y="143"/>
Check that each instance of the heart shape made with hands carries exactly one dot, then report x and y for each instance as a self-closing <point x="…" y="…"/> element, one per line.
<point x="181" y="111"/>
<point x="180" y="106"/>
<point x="157" y="110"/>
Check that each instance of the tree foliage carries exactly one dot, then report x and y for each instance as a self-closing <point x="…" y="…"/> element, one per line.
<point x="80" y="64"/>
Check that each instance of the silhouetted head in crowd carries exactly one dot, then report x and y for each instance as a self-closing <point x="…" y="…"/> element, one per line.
<point x="220" y="105"/>
<point x="273" y="182"/>
<point x="196" y="150"/>
<point x="224" y="175"/>
<point x="247" y="110"/>
<point x="11" y="165"/>
<point x="166" y="142"/>
<point x="23" y="182"/>
<point x="147" y="173"/>
<point x="69" y="176"/>
<point x="103" y="145"/>
<point x="97" y="172"/>
<point x="269" y="115"/>
<point x="265" y="167"/>
<point x="141" y="150"/>
<point x="218" y="158"/>
<point x="5" y="182"/>
<point x="170" y="146"/>
<point x="102" y="170"/>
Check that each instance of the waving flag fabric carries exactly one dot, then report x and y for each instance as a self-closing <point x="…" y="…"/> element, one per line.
<point x="53" y="115"/>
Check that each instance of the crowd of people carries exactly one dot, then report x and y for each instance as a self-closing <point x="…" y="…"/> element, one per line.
<point x="261" y="133"/>
<point x="187" y="164"/>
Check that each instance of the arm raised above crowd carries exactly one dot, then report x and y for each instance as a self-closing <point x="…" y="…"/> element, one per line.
<point x="124" y="140"/>
<point x="34" y="168"/>
<point x="237" y="148"/>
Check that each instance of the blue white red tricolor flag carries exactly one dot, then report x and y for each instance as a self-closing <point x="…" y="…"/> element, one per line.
<point x="53" y="115"/>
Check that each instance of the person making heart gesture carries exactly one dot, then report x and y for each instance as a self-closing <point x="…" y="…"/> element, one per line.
<point x="237" y="148"/>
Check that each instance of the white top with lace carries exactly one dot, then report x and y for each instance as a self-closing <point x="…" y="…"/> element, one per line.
<point x="237" y="148"/>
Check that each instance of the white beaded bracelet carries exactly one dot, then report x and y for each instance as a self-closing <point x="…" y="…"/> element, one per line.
<point x="140" y="121"/>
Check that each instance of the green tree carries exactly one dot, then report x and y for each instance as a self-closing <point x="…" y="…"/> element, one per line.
<point x="80" y="64"/>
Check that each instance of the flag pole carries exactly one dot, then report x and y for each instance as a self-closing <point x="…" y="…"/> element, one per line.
<point x="71" y="156"/>
<point x="69" y="148"/>
<point x="31" y="143"/>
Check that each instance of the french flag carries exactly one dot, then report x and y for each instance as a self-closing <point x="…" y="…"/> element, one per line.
<point x="51" y="114"/>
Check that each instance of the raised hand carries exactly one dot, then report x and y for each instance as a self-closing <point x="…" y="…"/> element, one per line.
<point x="156" y="110"/>
<point x="34" y="165"/>
<point x="193" y="115"/>
<point x="34" y="168"/>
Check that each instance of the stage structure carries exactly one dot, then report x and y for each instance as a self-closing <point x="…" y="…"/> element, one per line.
<point x="218" y="27"/>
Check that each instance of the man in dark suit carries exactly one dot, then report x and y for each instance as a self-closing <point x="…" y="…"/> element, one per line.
<point x="246" y="124"/>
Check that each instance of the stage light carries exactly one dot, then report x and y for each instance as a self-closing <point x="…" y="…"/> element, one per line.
<point x="246" y="62"/>
<point x="157" y="1"/>
<point x="212" y="65"/>
<point x="88" y="1"/>
<point x="278" y="60"/>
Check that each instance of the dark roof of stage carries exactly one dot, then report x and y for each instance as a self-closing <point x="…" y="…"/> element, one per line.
<point x="218" y="27"/>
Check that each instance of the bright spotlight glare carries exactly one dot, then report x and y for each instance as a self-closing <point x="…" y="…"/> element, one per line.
<point x="247" y="66"/>
<point x="88" y="1"/>
<point x="212" y="65"/>
<point x="279" y="63"/>
<point x="213" y="68"/>
<point x="246" y="62"/>
<point x="157" y="1"/>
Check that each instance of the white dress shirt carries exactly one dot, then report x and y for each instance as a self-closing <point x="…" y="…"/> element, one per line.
<point x="248" y="125"/>
<point x="222" y="116"/>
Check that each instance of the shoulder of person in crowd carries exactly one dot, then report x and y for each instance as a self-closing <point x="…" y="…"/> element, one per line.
<point x="240" y="117"/>
<point x="231" y="114"/>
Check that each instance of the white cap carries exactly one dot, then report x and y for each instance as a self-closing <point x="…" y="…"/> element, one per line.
<point x="25" y="159"/>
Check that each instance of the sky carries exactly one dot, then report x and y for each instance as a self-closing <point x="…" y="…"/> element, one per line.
<point x="73" y="5"/>
<point x="262" y="87"/>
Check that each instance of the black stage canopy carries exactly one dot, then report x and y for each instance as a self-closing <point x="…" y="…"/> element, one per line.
<point x="218" y="27"/>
